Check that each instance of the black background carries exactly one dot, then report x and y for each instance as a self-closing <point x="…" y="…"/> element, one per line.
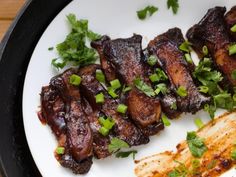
<point x="15" y="51"/>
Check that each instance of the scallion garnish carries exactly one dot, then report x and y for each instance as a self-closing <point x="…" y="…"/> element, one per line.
<point x="152" y="60"/>
<point x="100" y="76"/>
<point x="100" y="98"/>
<point x="107" y="124"/>
<point x="205" y="50"/>
<point x="232" y="49"/>
<point x="198" y="122"/>
<point x="233" y="28"/>
<point x="161" y="88"/>
<point x="115" y="84"/>
<point x="173" y="106"/>
<point x="50" y="48"/>
<point x="185" y="46"/>
<point x="126" y="89"/>
<point x="161" y="75"/>
<point x="181" y="91"/>
<point x="154" y="78"/>
<point x="122" y="108"/>
<point x="142" y="86"/>
<point x="75" y="80"/>
<point x="60" y="150"/>
<point x="203" y="89"/>
<point x="112" y="92"/>
<point x="233" y="154"/>
<point x="165" y="120"/>
<point x="233" y="75"/>
<point x="188" y="58"/>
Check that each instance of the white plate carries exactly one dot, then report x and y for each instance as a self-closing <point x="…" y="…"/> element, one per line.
<point x="116" y="18"/>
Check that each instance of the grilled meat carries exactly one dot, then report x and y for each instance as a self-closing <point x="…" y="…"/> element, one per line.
<point x="172" y="61"/>
<point x="212" y="32"/>
<point x="124" y="128"/>
<point x="125" y="56"/>
<point x="230" y="19"/>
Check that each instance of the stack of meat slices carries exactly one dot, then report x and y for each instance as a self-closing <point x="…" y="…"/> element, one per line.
<point x="73" y="114"/>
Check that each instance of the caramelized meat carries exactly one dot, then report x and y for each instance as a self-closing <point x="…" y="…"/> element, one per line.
<point x="79" y="135"/>
<point x="125" y="55"/>
<point x="123" y="129"/>
<point x="172" y="61"/>
<point x="106" y="66"/>
<point x="212" y="32"/>
<point x="230" y="19"/>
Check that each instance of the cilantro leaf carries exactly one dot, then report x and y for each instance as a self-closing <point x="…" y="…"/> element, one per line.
<point x="116" y="144"/>
<point x="126" y="154"/>
<point x="174" y="4"/>
<point x="74" y="48"/>
<point x="142" y="14"/>
<point x="196" y="145"/>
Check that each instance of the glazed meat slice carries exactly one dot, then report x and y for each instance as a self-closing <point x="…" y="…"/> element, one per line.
<point x="230" y="19"/>
<point x="53" y="112"/>
<point x="212" y="32"/>
<point x="123" y="128"/>
<point x="79" y="134"/>
<point x="106" y="65"/>
<point x="171" y="59"/>
<point x="125" y="56"/>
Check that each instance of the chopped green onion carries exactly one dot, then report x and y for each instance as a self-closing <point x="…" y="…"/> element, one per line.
<point x="100" y="98"/>
<point x="122" y="108"/>
<point x="205" y="50"/>
<point x="126" y="89"/>
<point x="116" y="144"/>
<point x="233" y="75"/>
<point x="60" y="150"/>
<point x="198" y="122"/>
<point x="173" y="106"/>
<point x="182" y="91"/>
<point x="203" y="89"/>
<point x="234" y="97"/>
<point x="185" y="46"/>
<point x="233" y="154"/>
<point x="154" y="78"/>
<point x="161" y="88"/>
<point x="50" y="48"/>
<point x="188" y="58"/>
<point x="162" y="76"/>
<point x="212" y="164"/>
<point x="165" y="120"/>
<point x="232" y="49"/>
<point x="115" y="84"/>
<point x="112" y="92"/>
<point x="142" y="86"/>
<point x="152" y="60"/>
<point x="233" y="28"/>
<point x="104" y="131"/>
<point x="100" y="76"/>
<point x="75" y="80"/>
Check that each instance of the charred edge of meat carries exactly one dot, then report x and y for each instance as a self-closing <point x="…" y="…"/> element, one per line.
<point x="230" y="19"/>
<point x="124" y="128"/>
<point x="53" y="110"/>
<point x="126" y="56"/>
<point x="106" y="66"/>
<point x="79" y="134"/>
<point x="170" y="58"/>
<point x="212" y="32"/>
<point x="100" y="142"/>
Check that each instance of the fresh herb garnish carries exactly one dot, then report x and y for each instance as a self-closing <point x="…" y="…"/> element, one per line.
<point x="174" y="4"/>
<point x="181" y="91"/>
<point x="188" y="58"/>
<point x="100" y="76"/>
<point x="75" y="80"/>
<point x="106" y="124"/>
<point x="115" y="84"/>
<point x="100" y="98"/>
<point x="161" y="88"/>
<point x="196" y="145"/>
<point x="126" y="89"/>
<point x="233" y="154"/>
<point x="233" y="28"/>
<point x="126" y="154"/>
<point x="173" y="106"/>
<point x="205" y="50"/>
<point x="122" y="108"/>
<point x="185" y="46"/>
<point x="112" y="92"/>
<point x="50" y="48"/>
<point x="180" y="171"/>
<point x="60" y="150"/>
<point x="161" y="75"/>
<point x="212" y="164"/>
<point x="232" y="49"/>
<point x="152" y="60"/>
<point x="198" y="122"/>
<point x="142" y="86"/>
<point x="149" y="10"/>
<point x="116" y="144"/>
<point x="203" y="89"/>
<point x="74" y="49"/>
<point x="233" y="75"/>
<point x="165" y="120"/>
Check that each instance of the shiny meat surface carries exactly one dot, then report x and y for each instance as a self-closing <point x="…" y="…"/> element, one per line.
<point x="230" y="19"/>
<point x="212" y="32"/>
<point x="123" y="128"/>
<point x="172" y="61"/>
<point x="126" y="56"/>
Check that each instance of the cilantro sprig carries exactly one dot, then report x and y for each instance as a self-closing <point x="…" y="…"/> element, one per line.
<point x="149" y="10"/>
<point x="174" y="5"/>
<point x="74" y="49"/>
